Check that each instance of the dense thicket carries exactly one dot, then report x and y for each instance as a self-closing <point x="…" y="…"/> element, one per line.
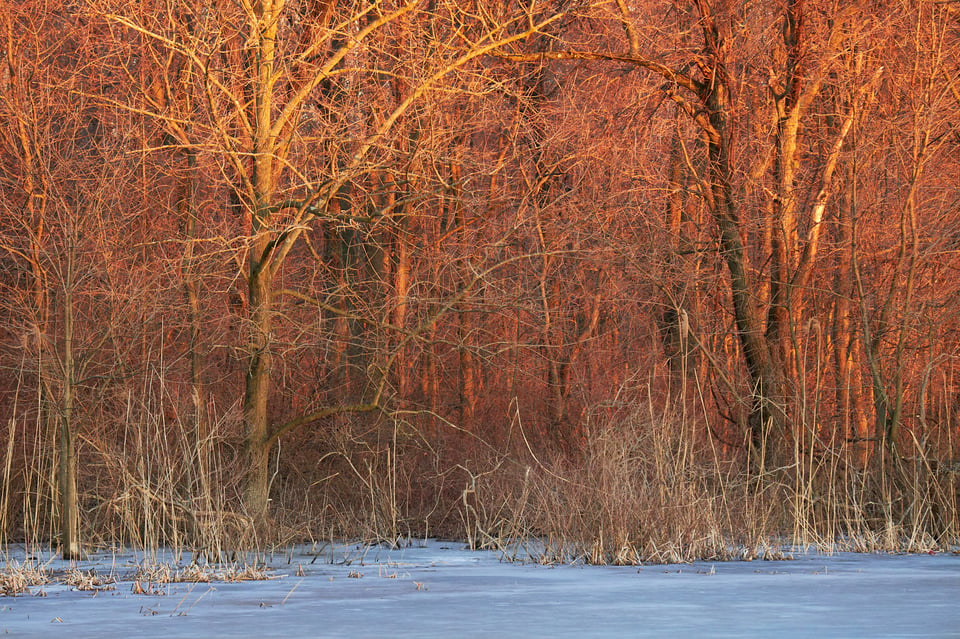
<point x="654" y="279"/>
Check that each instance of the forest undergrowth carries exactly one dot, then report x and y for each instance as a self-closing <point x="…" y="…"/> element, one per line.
<point x="642" y="486"/>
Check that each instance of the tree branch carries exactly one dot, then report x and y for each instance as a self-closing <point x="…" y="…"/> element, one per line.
<point x="660" y="69"/>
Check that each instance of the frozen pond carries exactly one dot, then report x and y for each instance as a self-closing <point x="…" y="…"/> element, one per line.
<point x="438" y="589"/>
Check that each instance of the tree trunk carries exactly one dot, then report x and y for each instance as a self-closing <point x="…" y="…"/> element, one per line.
<point x="69" y="500"/>
<point x="186" y="206"/>
<point x="766" y="384"/>
<point x="257" y="391"/>
<point x="257" y="439"/>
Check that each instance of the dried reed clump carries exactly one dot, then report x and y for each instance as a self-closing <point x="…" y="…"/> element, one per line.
<point x="643" y="491"/>
<point x="17" y="578"/>
<point x="648" y="492"/>
<point x="157" y="573"/>
<point x="167" y="573"/>
<point x="165" y="486"/>
<point x="194" y="573"/>
<point x="149" y="579"/>
<point x="654" y="489"/>
<point x="244" y="573"/>
<point x="87" y="580"/>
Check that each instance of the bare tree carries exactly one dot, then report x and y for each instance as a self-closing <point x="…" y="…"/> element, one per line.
<point x="707" y="84"/>
<point x="269" y="68"/>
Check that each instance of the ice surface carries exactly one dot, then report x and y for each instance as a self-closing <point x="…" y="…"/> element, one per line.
<point x="437" y="589"/>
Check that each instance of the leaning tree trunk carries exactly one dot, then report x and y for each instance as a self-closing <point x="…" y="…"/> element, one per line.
<point x="766" y="383"/>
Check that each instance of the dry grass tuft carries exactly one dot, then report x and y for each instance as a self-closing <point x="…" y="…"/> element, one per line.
<point x="194" y="573"/>
<point x="146" y="588"/>
<point x="87" y="580"/>
<point x="244" y="573"/>
<point x="158" y="573"/>
<point x="643" y="493"/>
<point x="165" y="573"/>
<point x="654" y="489"/>
<point x="17" y="578"/>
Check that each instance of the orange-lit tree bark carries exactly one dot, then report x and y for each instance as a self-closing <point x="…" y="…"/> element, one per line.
<point x="709" y="87"/>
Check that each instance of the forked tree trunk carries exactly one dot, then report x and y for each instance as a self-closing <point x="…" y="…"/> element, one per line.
<point x="264" y="22"/>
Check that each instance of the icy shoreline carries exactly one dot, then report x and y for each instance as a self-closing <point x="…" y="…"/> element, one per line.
<point x="438" y="589"/>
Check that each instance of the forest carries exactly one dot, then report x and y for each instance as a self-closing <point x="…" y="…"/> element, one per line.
<point x="646" y="280"/>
